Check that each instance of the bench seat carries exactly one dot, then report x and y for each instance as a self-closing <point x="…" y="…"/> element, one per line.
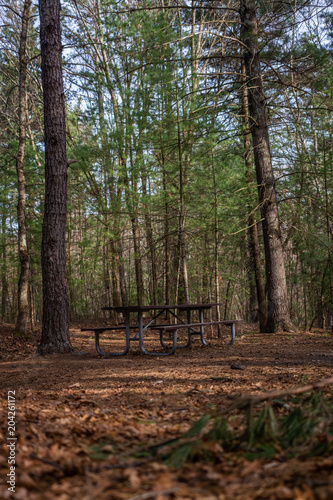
<point x="190" y="327"/>
<point x="195" y="325"/>
<point x="101" y="329"/>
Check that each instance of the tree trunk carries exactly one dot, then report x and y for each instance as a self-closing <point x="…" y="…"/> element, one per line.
<point x="22" y="322"/>
<point x="150" y="243"/>
<point x="278" y="312"/>
<point x="216" y="251"/>
<point x="253" y="239"/>
<point x="138" y="263"/>
<point x="132" y="204"/>
<point x="166" y="229"/>
<point x="182" y="244"/>
<point x="55" y="327"/>
<point x="4" y="279"/>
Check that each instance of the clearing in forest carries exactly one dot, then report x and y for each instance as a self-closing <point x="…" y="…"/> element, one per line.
<point x="87" y="426"/>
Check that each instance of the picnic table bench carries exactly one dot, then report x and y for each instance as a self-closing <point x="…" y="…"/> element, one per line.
<point x="191" y="331"/>
<point x="172" y="328"/>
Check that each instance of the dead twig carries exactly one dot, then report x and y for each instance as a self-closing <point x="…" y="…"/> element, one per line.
<point x="277" y="394"/>
<point x="194" y="391"/>
<point x="48" y="462"/>
<point x="123" y="466"/>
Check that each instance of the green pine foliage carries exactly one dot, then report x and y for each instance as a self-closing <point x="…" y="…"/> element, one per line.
<point x="302" y="427"/>
<point x="151" y="98"/>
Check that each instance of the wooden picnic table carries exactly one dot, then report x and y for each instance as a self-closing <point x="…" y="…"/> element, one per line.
<point x="158" y="311"/>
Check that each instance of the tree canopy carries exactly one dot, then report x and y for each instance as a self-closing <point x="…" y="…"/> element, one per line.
<point x="165" y="189"/>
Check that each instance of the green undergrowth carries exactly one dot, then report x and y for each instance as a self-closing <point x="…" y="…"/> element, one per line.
<point x="280" y="428"/>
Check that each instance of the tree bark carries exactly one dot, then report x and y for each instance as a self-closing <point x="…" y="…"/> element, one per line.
<point x="4" y="279"/>
<point x="216" y="250"/>
<point x="23" y="286"/>
<point x="253" y="238"/>
<point x="182" y="243"/>
<point x="150" y="243"/>
<point x="167" y="284"/>
<point x="131" y="191"/>
<point x="278" y="312"/>
<point x="55" y="324"/>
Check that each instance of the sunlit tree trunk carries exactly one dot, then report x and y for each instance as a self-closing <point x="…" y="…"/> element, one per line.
<point x="22" y="322"/>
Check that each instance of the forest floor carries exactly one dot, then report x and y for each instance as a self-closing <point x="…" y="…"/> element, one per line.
<point x="86" y="426"/>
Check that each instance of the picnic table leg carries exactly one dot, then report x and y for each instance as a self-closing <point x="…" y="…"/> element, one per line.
<point x="174" y="345"/>
<point x="141" y="333"/>
<point x="189" y="337"/>
<point x="163" y="344"/>
<point x="97" y="344"/>
<point x="98" y="349"/>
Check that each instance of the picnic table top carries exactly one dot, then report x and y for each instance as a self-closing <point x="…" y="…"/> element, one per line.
<point x="183" y="307"/>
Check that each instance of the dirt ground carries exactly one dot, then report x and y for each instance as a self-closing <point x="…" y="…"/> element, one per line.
<point x="79" y="419"/>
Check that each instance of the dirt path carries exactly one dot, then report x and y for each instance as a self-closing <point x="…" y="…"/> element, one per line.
<point x="80" y="417"/>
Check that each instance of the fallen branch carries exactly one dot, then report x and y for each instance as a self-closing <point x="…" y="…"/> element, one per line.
<point x="277" y="394"/>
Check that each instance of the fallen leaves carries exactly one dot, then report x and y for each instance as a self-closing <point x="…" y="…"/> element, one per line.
<point x="87" y="426"/>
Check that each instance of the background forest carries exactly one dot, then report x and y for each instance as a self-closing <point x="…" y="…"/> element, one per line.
<point x="163" y="197"/>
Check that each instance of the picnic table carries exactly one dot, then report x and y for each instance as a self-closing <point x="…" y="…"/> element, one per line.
<point x="192" y="328"/>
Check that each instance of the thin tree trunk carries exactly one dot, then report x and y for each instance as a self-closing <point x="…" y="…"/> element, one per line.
<point x="4" y="279"/>
<point x="278" y="312"/>
<point x="122" y="277"/>
<point x="182" y="244"/>
<point x="133" y="211"/>
<point x="70" y="268"/>
<point x="255" y="256"/>
<point x="166" y="230"/>
<point x="113" y="242"/>
<point x="116" y="290"/>
<point x="226" y="304"/>
<point x="150" y="243"/>
<point x="22" y="322"/>
<point x="216" y="251"/>
<point x="137" y="261"/>
<point x="55" y="325"/>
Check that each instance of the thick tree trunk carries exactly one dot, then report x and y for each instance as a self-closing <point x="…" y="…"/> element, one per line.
<point x="278" y="312"/>
<point x="23" y="287"/>
<point x="55" y="328"/>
